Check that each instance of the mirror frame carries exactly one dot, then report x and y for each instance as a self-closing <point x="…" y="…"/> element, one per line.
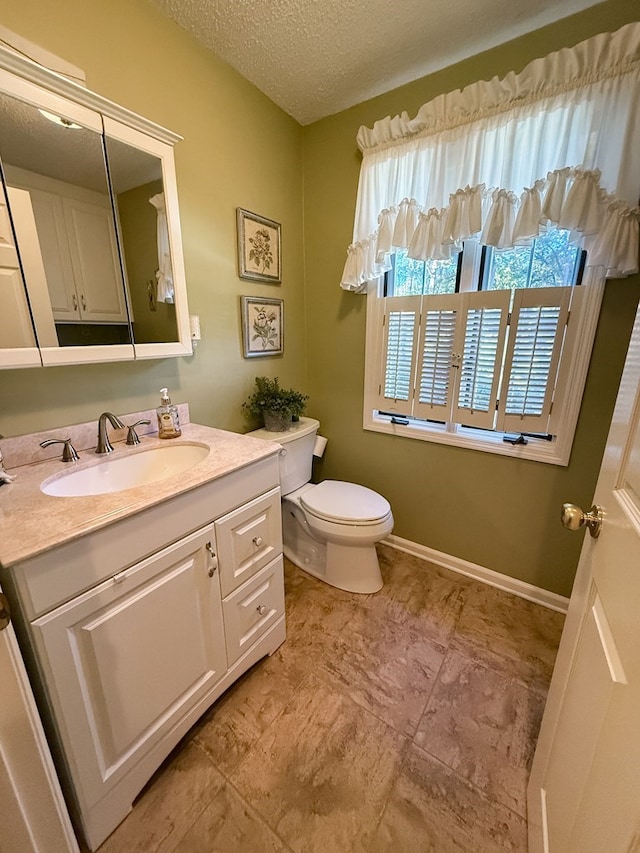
<point x="22" y="78"/>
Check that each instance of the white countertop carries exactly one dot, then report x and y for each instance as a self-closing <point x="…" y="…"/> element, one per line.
<point x="32" y="522"/>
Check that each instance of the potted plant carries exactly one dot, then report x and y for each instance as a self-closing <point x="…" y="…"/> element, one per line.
<point x="277" y="406"/>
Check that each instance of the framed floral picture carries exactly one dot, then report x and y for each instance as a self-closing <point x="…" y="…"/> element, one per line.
<point x="262" y="326"/>
<point x="258" y="248"/>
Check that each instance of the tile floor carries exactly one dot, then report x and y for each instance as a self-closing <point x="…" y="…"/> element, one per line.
<point x="402" y="722"/>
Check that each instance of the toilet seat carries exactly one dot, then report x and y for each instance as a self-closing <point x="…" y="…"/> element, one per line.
<point x="345" y="503"/>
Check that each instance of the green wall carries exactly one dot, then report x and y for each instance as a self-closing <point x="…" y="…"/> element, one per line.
<point x="239" y="150"/>
<point x="499" y="512"/>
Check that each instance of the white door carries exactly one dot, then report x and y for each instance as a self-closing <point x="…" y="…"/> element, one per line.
<point x="33" y="816"/>
<point x="584" y="790"/>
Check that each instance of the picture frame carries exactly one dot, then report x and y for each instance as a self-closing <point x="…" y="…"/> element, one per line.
<point x="259" y="248"/>
<point x="262" y="326"/>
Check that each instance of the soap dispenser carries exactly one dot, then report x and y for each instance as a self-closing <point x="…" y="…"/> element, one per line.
<point x="168" y="418"/>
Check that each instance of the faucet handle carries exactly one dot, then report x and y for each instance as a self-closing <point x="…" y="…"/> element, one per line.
<point x="69" y="453"/>
<point x="132" y="435"/>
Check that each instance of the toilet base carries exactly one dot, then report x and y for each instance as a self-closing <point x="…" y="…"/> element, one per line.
<point x="354" y="569"/>
<point x="351" y="569"/>
<point x="347" y="560"/>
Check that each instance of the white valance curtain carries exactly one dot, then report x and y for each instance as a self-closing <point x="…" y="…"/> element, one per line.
<point x="557" y="145"/>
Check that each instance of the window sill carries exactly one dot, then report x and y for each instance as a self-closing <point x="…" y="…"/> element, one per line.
<point x="537" y="450"/>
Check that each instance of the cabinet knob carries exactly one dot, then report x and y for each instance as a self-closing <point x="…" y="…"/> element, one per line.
<point x="261" y="609"/>
<point x="74" y="302"/>
<point x="257" y="541"/>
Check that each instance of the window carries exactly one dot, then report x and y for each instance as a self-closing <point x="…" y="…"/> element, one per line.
<point x="481" y="348"/>
<point x="528" y="166"/>
<point x="408" y="277"/>
<point x="550" y="261"/>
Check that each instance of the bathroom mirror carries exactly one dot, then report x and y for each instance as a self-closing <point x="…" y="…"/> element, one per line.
<point x="91" y="265"/>
<point x="58" y="165"/>
<point x="139" y="201"/>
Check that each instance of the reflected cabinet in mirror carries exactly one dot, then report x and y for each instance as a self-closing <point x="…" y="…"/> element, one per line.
<point x="91" y="264"/>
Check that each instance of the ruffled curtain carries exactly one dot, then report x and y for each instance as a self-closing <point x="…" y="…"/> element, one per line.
<point x="502" y="160"/>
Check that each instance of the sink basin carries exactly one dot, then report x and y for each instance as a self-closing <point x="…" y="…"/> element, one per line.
<point x="126" y="472"/>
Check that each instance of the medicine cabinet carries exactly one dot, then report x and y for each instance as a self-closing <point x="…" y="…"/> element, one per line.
<point x="91" y="265"/>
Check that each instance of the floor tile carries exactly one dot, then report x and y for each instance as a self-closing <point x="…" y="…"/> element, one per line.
<point x="169" y="806"/>
<point x="419" y="595"/>
<point x="238" y="718"/>
<point x="509" y="634"/>
<point x="315" y="617"/>
<point x="388" y="669"/>
<point x="484" y="727"/>
<point x="228" y="825"/>
<point x="322" y="772"/>
<point x="432" y="810"/>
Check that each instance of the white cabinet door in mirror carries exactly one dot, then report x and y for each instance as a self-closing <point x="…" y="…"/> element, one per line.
<point x="18" y="346"/>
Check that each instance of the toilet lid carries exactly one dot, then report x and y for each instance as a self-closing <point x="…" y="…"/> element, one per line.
<point x="337" y="501"/>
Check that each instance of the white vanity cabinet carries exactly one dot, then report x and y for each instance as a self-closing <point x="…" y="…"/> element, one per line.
<point x="135" y="629"/>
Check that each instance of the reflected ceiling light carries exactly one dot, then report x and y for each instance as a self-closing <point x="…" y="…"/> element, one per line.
<point x="63" y="122"/>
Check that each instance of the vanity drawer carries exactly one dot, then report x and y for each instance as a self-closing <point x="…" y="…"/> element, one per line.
<point x="253" y="609"/>
<point x="248" y="539"/>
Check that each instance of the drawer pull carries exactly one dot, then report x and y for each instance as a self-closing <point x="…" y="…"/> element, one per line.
<point x="257" y="541"/>
<point x="261" y="609"/>
<point x="213" y="559"/>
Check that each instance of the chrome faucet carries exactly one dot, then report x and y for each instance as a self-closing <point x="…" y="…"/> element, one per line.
<point x="104" y="445"/>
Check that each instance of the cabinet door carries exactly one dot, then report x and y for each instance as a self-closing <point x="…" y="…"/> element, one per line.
<point x="131" y="657"/>
<point x="94" y="257"/>
<point x="54" y="250"/>
<point x="248" y="538"/>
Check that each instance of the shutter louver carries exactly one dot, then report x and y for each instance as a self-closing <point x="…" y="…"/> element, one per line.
<point x="533" y="353"/>
<point x="398" y="366"/>
<point x="436" y="357"/>
<point x="482" y="353"/>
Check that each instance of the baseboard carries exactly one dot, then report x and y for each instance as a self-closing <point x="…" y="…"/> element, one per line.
<point x="520" y="588"/>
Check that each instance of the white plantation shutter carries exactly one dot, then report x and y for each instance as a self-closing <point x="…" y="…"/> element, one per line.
<point x="484" y="320"/>
<point x="460" y="359"/>
<point x="536" y="338"/>
<point x="437" y="356"/>
<point x="400" y="330"/>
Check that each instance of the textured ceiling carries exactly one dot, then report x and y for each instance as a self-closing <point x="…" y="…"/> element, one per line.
<point x="316" y="57"/>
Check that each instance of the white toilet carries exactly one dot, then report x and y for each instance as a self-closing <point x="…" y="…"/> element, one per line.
<point x="330" y="529"/>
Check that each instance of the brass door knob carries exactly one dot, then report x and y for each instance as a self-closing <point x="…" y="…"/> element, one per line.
<point x="573" y="518"/>
<point x="5" y="612"/>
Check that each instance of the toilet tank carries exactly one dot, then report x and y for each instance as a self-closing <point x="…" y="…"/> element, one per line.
<point x="296" y="457"/>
